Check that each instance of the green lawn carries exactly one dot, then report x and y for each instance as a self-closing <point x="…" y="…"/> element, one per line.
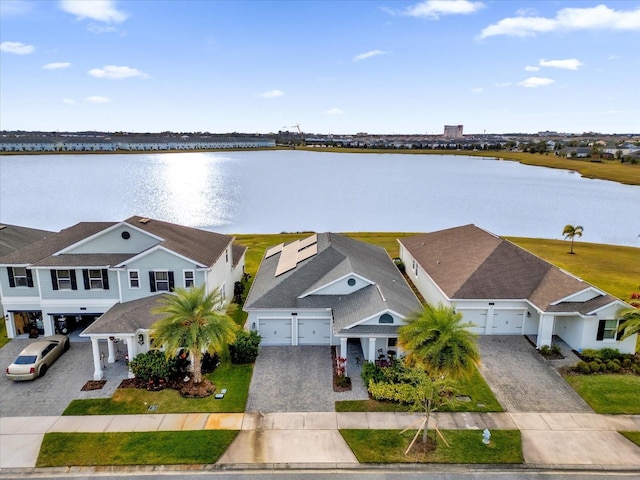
<point x="3" y="334"/>
<point x="388" y="446"/>
<point x="618" y="394"/>
<point x="134" y="448"/>
<point x="235" y="378"/>
<point x="633" y="436"/>
<point x="475" y="387"/>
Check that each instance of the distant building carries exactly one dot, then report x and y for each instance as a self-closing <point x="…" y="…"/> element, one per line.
<point x="453" y="131"/>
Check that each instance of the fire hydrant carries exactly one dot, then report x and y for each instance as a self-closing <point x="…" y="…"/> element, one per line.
<point x="486" y="436"/>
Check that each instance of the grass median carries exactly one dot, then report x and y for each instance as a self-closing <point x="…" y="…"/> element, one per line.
<point x="466" y="447"/>
<point x="134" y="448"/>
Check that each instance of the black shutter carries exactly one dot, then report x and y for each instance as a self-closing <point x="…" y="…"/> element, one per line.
<point x="621" y="332"/>
<point x="105" y="279"/>
<point x="12" y="282"/>
<point x="54" y="279"/>
<point x="152" y="281"/>
<point x="601" y="325"/>
<point x="85" y="277"/>
<point x="74" y="284"/>
<point x="171" y="282"/>
<point x="29" y="278"/>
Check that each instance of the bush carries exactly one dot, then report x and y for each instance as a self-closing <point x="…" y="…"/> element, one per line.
<point x="589" y="354"/>
<point x="594" y="366"/>
<point x="626" y="363"/>
<point x="612" y="366"/>
<point x="154" y="366"/>
<point x="396" y="392"/>
<point x="583" y="367"/>
<point x="400" y="264"/>
<point x="372" y="372"/>
<point x="556" y="350"/>
<point x="209" y="362"/>
<point x="635" y="369"/>
<point x="545" y="350"/>
<point x="607" y="354"/>
<point x="245" y="348"/>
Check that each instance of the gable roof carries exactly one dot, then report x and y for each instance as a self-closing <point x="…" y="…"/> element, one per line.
<point x="337" y="257"/>
<point x="14" y="237"/>
<point x="201" y="246"/>
<point x="127" y="317"/>
<point x="470" y="263"/>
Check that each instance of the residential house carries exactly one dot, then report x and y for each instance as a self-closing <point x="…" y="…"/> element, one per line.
<point x="73" y="277"/>
<point x="327" y="289"/>
<point x="503" y="289"/>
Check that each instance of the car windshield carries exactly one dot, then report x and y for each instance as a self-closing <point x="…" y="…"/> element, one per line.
<point x="25" y="359"/>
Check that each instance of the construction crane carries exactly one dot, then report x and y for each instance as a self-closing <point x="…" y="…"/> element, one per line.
<point x="297" y="126"/>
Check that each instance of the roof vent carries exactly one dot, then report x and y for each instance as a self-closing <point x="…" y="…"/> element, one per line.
<point x="144" y="220"/>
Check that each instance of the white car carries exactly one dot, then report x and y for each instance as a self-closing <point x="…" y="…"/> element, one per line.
<point x="36" y="358"/>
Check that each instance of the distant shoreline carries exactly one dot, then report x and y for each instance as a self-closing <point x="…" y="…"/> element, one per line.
<point x="611" y="170"/>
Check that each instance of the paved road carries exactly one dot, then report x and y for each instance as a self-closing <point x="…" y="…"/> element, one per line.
<point x="521" y="380"/>
<point x="292" y="379"/>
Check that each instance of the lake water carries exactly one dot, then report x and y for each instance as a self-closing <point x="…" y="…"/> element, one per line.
<point x="275" y="191"/>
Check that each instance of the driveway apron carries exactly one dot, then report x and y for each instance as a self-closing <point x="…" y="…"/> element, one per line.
<point x="522" y="380"/>
<point x="292" y="379"/>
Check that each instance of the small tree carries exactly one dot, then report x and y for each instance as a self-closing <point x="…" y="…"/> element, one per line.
<point x="571" y="232"/>
<point x="630" y="321"/>
<point x="245" y="348"/>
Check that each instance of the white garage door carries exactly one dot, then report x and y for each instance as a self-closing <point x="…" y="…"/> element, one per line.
<point x="314" y="332"/>
<point x="477" y="317"/>
<point x="507" y="322"/>
<point x="275" y="331"/>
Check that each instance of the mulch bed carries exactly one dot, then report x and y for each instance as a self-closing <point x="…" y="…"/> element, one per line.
<point x="187" y="389"/>
<point x="93" y="385"/>
<point x="340" y="384"/>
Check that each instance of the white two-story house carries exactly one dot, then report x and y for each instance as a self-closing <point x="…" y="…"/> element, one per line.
<point x="82" y="272"/>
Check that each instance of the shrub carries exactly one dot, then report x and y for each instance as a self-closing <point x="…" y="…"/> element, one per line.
<point x="635" y="369"/>
<point x="245" y="348"/>
<point x="626" y="363"/>
<point x="154" y="366"/>
<point x="396" y="392"/>
<point x="607" y="354"/>
<point x="556" y="350"/>
<point x="594" y="366"/>
<point x="583" y="367"/>
<point x="589" y="354"/>
<point x="372" y="372"/>
<point x="209" y="362"/>
<point x="545" y="350"/>
<point x="612" y="366"/>
<point x="400" y="264"/>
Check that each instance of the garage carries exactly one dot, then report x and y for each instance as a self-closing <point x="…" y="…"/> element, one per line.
<point x="507" y="322"/>
<point x="477" y="317"/>
<point x="314" y="331"/>
<point x="275" y="331"/>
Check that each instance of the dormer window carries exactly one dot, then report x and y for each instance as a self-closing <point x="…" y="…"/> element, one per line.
<point x="385" y="318"/>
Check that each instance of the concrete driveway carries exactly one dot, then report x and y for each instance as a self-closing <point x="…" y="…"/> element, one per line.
<point x="521" y="379"/>
<point x="292" y="379"/>
<point x="50" y="395"/>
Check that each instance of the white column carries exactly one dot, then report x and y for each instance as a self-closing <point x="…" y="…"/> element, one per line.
<point x="112" y="351"/>
<point x="48" y="324"/>
<point x="372" y="349"/>
<point x="130" y="352"/>
<point x="545" y="330"/>
<point x="343" y="347"/>
<point x="10" y="323"/>
<point x="97" y="364"/>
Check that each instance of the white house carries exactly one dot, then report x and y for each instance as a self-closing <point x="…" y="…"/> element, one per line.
<point x="504" y="289"/>
<point x="91" y="268"/>
<point x="326" y="289"/>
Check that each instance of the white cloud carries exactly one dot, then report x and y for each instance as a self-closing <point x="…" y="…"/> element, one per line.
<point x="533" y="82"/>
<point x="600" y="17"/>
<point x="568" y="64"/>
<point x="334" y="111"/>
<point x="14" y="7"/>
<point x="56" y="65"/>
<point x="531" y="68"/>
<point x="69" y="101"/>
<point x="272" y="94"/>
<point x="17" y="48"/>
<point x="503" y="84"/>
<point x="369" y="54"/>
<point x="93" y="28"/>
<point x="116" y="72"/>
<point x="477" y="90"/>
<point x="434" y="9"/>
<point x="97" y="99"/>
<point x="100" y="10"/>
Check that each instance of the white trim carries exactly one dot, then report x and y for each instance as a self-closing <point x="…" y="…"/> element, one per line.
<point x="136" y="270"/>
<point x="155" y="249"/>
<point x="103" y="232"/>
<point x="378" y="315"/>
<point x="184" y="277"/>
<point x="615" y="300"/>
<point x="575" y="294"/>
<point x="352" y="274"/>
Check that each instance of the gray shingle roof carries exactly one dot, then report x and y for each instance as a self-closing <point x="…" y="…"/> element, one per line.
<point x="337" y="257"/>
<point x="127" y="317"/>
<point x="14" y="237"/>
<point x="202" y="246"/>
<point x="470" y="263"/>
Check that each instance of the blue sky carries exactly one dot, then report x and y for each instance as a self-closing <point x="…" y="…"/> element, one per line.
<point x="339" y="67"/>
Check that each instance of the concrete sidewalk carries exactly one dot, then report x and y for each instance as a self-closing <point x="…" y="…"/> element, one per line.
<point x="548" y="439"/>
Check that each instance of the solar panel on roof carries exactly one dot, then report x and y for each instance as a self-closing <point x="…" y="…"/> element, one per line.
<point x="307" y="252"/>
<point x="288" y="258"/>
<point x="273" y="250"/>
<point x="305" y="242"/>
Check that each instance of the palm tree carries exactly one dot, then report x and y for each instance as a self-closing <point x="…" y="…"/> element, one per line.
<point x="437" y="339"/>
<point x="571" y="232"/>
<point x="630" y="318"/>
<point x="193" y="321"/>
